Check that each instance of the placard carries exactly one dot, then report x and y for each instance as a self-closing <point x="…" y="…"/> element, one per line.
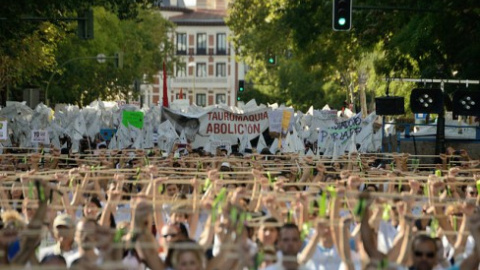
<point x="40" y="136"/>
<point x="134" y="119"/>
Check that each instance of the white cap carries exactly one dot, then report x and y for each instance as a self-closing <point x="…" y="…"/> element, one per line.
<point x="225" y="164"/>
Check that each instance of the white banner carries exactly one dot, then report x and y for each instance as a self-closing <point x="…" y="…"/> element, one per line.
<point x="3" y="130"/>
<point x="221" y="123"/>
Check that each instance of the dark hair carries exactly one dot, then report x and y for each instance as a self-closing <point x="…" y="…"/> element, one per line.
<point x="52" y="257"/>
<point x="423" y="238"/>
<point x="171" y="251"/>
<point x="289" y="226"/>
<point x="94" y="200"/>
<point x="266" y="151"/>
<point x="182" y="229"/>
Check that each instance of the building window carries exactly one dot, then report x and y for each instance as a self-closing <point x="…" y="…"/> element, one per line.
<point x="201" y="100"/>
<point x="181" y="70"/>
<point x="221" y="70"/>
<point x="181" y="43"/>
<point x="202" y="43"/>
<point x="220" y="99"/>
<point x="222" y="43"/>
<point x="201" y="70"/>
<point x="177" y="96"/>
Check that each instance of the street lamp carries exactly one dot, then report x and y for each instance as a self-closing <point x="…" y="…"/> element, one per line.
<point x="193" y="64"/>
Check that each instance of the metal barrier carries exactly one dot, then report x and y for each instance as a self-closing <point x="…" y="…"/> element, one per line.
<point x="408" y="135"/>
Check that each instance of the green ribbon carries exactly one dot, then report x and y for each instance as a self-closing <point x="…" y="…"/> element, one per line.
<point x="434" y="228"/>
<point x="30" y="190"/>
<point x="137" y="176"/>
<point x="322" y="206"/>
<point x="220" y="197"/>
<point x="478" y="186"/>
<point x="290" y="216"/>
<point x="270" y="179"/>
<point x="234" y="214"/>
<point x="386" y="212"/>
<point x="383" y="263"/>
<point x="455" y="223"/>
<point x="118" y="235"/>
<point x="415" y="163"/>
<point x="260" y="258"/>
<point x="207" y="184"/>
<point x="41" y="192"/>
<point x="438" y="173"/>
<point x="332" y="190"/>
<point x="360" y="208"/>
<point x="241" y="223"/>
<point x="360" y="165"/>
<point x="306" y="229"/>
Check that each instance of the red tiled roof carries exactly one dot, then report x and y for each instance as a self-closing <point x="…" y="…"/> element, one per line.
<point x="201" y="17"/>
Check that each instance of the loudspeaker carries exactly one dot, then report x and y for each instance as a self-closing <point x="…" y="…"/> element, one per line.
<point x="390" y="105"/>
<point x="426" y="100"/>
<point x="466" y="103"/>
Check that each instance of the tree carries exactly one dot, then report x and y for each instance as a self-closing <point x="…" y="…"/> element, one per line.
<point x="419" y="39"/>
<point x="28" y="48"/>
<point x="139" y="40"/>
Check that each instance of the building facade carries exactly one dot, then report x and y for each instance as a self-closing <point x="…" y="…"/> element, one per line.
<point x="208" y="73"/>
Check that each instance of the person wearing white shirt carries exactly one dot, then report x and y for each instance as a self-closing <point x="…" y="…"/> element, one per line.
<point x="290" y="244"/>
<point x="63" y="232"/>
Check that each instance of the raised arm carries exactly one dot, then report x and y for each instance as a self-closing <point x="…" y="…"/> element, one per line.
<point x="367" y="233"/>
<point x="311" y="247"/>
<point x="30" y="241"/>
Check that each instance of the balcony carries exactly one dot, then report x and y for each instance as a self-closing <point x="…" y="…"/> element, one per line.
<point x="188" y="82"/>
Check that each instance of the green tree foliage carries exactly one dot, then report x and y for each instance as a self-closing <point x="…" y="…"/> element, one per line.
<point x="30" y="50"/>
<point x="84" y="80"/>
<point x="317" y="65"/>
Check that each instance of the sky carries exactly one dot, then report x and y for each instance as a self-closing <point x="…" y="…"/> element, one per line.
<point x="190" y="2"/>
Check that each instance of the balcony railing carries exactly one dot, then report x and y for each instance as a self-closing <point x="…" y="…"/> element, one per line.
<point x="200" y="80"/>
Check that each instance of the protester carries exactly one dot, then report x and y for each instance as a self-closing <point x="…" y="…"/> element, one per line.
<point x="144" y="210"/>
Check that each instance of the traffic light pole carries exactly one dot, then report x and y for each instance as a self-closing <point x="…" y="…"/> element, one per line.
<point x="440" y="134"/>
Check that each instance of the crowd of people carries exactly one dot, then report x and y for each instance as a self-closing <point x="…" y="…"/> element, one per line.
<point x="143" y="209"/>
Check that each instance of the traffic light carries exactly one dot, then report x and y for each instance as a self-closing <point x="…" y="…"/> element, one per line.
<point x="342" y="15"/>
<point x="241" y="89"/>
<point x="85" y="25"/>
<point x="241" y="86"/>
<point x="271" y="58"/>
<point x="118" y="60"/>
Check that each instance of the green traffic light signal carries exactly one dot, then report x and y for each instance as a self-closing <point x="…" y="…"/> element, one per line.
<point x="241" y="85"/>
<point x="342" y="15"/>
<point x="238" y="99"/>
<point x="271" y="60"/>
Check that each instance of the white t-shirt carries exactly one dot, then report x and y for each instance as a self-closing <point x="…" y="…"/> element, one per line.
<point x="279" y="264"/>
<point x="123" y="213"/>
<point x="55" y="250"/>
<point x="386" y="235"/>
